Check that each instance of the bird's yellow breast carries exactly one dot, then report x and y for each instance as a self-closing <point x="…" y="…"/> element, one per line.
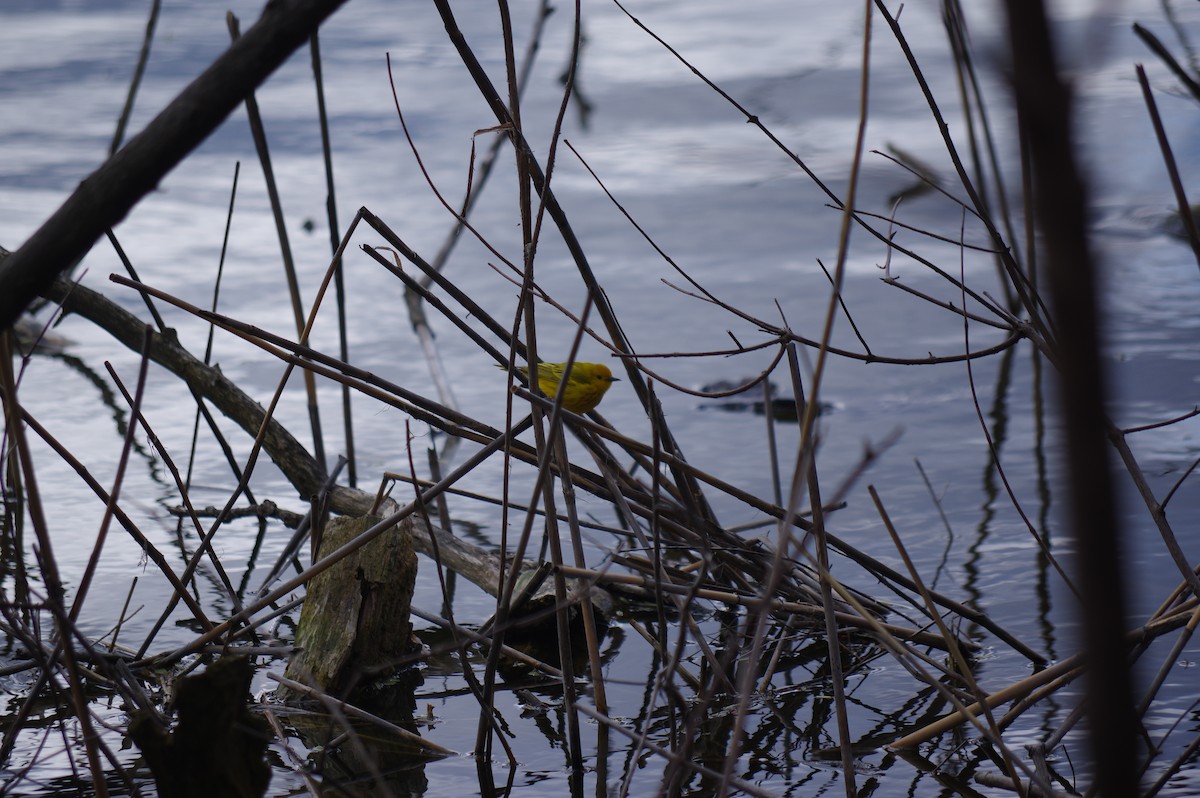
<point x="586" y="384"/>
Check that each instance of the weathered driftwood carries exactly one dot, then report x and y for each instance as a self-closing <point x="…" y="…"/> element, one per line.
<point x="355" y="623"/>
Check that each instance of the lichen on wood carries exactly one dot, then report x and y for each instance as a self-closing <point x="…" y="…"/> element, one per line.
<point x="355" y="623"/>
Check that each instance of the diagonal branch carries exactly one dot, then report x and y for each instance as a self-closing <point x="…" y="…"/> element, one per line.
<point x="108" y="194"/>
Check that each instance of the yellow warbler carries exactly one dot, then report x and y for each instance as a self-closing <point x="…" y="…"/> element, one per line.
<point x="586" y="383"/>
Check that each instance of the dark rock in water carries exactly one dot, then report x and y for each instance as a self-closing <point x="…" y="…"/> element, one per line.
<point x="752" y="400"/>
<point x="32" y="336"/>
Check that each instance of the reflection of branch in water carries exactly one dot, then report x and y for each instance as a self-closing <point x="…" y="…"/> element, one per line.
<point x="941" y="511"/>
<point x="108" y="398"/>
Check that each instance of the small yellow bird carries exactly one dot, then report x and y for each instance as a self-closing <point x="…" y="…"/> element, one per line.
<point x="586" y="383"/>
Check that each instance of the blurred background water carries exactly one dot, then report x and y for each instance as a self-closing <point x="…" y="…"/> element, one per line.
<point x="732" y="210"/>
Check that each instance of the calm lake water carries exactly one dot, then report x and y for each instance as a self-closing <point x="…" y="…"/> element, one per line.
<point x="732" y="210"/>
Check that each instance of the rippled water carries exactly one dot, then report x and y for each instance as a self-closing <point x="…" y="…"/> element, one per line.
<point x="711" y="191"/>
